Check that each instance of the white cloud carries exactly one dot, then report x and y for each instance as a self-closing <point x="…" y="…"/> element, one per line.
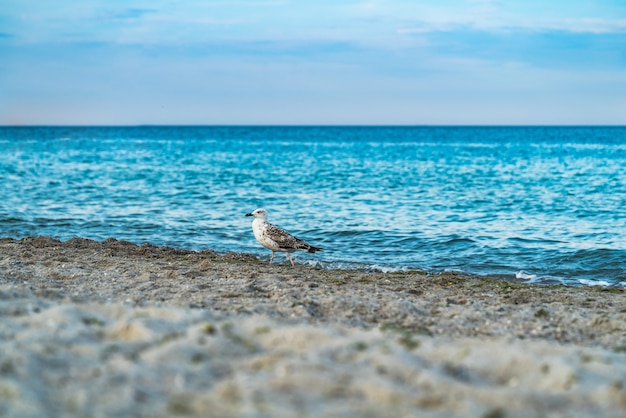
<point x="538" y="24"/>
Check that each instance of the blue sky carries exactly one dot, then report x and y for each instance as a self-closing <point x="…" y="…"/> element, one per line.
<point x="120" y="62"/>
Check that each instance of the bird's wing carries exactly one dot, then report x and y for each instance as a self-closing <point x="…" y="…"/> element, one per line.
<point x="284" y="239"/>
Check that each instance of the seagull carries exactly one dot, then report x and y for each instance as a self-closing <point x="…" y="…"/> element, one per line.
<point x="276" y="239"/>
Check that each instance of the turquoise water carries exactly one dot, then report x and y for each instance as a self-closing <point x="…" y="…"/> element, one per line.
<point x="538" y="204"/>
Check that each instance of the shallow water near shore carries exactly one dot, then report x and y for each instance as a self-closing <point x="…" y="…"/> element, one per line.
<point x="535" y="204"/>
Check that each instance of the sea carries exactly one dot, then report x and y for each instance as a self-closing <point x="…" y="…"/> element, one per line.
<point x="543" y="205"/>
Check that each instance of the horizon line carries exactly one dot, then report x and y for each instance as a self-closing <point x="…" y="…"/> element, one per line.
<point x="304" y="125"/>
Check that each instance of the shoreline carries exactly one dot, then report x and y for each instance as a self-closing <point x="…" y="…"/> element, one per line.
<point x="407" y="342"/>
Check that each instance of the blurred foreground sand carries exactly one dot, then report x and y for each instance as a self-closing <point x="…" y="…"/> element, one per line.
<point x="115" y="329"/>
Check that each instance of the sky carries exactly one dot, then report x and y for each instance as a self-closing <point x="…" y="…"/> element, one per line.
<point x="339" y="62"/>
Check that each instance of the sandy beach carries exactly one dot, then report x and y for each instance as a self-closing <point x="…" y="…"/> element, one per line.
<point x="94" y="329"/>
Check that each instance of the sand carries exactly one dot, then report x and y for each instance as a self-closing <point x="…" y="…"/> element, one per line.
<point x="105" y="329"/>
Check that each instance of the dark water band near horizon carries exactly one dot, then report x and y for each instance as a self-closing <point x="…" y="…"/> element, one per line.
<point x="534" y="204"/>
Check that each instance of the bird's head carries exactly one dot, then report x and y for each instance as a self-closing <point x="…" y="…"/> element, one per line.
<point x="258" y="214"/>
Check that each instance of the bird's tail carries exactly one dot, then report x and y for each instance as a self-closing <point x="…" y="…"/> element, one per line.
<point x="313" y="249"/>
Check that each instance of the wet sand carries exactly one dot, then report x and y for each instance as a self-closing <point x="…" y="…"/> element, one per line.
<point x="113" y="328"/>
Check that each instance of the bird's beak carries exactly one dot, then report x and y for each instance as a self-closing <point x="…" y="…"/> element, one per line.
<point x="249" y="214"/>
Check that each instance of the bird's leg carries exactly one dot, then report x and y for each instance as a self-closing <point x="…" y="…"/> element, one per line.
<point x="289" y="257"/>
<point x="272" y="259"/>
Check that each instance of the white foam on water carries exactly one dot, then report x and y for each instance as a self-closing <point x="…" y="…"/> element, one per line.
<point x="587" y="282"/>
<point x="526" y="276"/>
